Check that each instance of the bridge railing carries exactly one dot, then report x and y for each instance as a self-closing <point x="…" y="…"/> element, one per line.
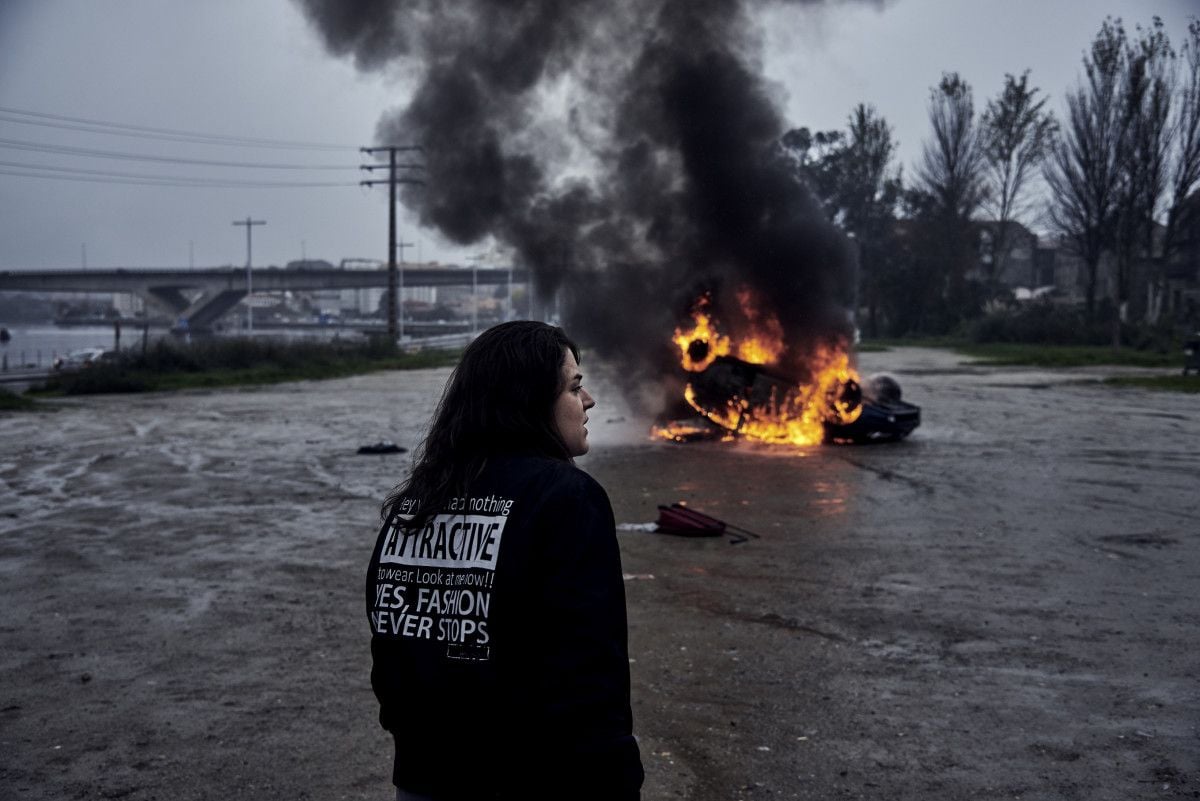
<point x="441" y="341"/>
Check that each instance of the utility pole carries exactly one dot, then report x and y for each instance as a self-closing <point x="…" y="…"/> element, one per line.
<point x="400" y="246"/>
<point x="249" y="223"/>
<point x="475" y="291"/>
<point x="395" y="334"/>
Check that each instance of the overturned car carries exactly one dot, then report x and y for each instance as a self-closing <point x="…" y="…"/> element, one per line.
<point x="737" y="397"/>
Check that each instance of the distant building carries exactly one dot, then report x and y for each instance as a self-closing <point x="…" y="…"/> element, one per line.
<point x="1049" y="266"/>
<point x="1058" y="266"/>
<point x="1182" y="268"/>
<point x="1017" y="267"/>
<point x="128" y="304"/>
<point x="361" y="302"/>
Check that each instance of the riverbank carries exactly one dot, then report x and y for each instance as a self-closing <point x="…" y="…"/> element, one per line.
<point x="213" y="363"/>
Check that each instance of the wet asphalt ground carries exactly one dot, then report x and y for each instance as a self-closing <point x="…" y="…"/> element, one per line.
<point x="1003" y="606"/>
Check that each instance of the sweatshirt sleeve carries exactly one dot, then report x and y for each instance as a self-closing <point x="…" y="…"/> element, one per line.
<point x="584" y="648"/>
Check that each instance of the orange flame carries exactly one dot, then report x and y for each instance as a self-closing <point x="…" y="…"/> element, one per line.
<point x="765" y="343"/>
<point x="701" y="344"/>
<point x="799" y="417"/>
<point x="685" y="431"/>
<point x="796" y="418"/>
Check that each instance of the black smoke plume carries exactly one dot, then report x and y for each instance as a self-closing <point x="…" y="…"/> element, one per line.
<point x="627" y="150"/>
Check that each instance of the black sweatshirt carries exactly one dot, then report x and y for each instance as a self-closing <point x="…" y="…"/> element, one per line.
<point x="499" y="639"/>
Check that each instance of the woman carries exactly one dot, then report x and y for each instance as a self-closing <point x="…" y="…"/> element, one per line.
<point x="495" y="595"/>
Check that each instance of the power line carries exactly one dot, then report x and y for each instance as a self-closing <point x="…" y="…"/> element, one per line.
<point x="19" y="144"/>
<point x="105" y="177"/>
<point x="171" y="134"/>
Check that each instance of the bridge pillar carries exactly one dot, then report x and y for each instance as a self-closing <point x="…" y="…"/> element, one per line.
<point x="209" y="307"/>
<point x="201" y="312"/>
<point x="168" y="298"/>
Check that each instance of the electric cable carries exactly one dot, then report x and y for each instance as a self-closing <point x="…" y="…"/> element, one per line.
<point x="103" y="176"/>
<point x="19" y="144"/>
<point x="65" y="122"/>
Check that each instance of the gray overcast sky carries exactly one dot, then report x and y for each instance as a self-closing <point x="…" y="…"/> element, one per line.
<point x="252" y="68"/>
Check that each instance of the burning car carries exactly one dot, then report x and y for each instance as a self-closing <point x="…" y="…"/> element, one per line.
<point x="747" y="395"/>
<point x="750" y="399"/>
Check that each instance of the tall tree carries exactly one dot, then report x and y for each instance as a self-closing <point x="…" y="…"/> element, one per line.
<point x="871" y="188"/>
<point x="1147" y="86"/>
<point x="1017" y="133"/>
<point x="951" y="175"/>
<point x="1185" y="132"/>
<point x="951" y="162"/>
<point x="1084" y="171"/>
<point x="853" y="177"/>
<point x="816" y="162"/>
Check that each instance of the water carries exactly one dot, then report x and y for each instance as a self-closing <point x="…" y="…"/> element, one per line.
<point x="37" y="345"/>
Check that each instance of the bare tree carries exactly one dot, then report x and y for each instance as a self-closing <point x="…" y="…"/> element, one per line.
<point x="951" y="163"/>
<point x="1185" y="167"/>
<point x="950" y="175"/>
<point x="1147" y="87"/>
<point x="871" y="190"/>
<point x="1017" y="133"/>
<point x="869" y="179"/>
<point x="1084" y="170"/>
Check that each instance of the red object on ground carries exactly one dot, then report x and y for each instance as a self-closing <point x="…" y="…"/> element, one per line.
<point x="680" y="520"/>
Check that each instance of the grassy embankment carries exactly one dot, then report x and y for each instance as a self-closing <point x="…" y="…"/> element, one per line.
<point x="1008" y="354"/>
<point x="11" y="402"/>
<point x="237" y="362"/>
<point x="1163" y="383"/>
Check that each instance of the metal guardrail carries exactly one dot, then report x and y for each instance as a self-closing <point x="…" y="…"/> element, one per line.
<point x="446" y="341"/>
<point x="20" y="379"/>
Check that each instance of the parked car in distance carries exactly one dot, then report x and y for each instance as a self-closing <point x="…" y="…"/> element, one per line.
<point x="80" y="359"/>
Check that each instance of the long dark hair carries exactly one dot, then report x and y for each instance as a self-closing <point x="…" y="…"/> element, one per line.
<point x="499" y="399"/>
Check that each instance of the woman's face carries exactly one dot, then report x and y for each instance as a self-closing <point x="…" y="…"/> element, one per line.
<point x="570" y="408"/>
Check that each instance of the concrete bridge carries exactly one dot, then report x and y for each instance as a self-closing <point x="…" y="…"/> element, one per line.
<point x="220" y="289"/>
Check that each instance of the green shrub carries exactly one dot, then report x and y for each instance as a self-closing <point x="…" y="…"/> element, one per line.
<point x="1160" y="383"/>
<point x="169" y="364"/>
<point x="1041" y="323"/>
<point x="12" y="402"/>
